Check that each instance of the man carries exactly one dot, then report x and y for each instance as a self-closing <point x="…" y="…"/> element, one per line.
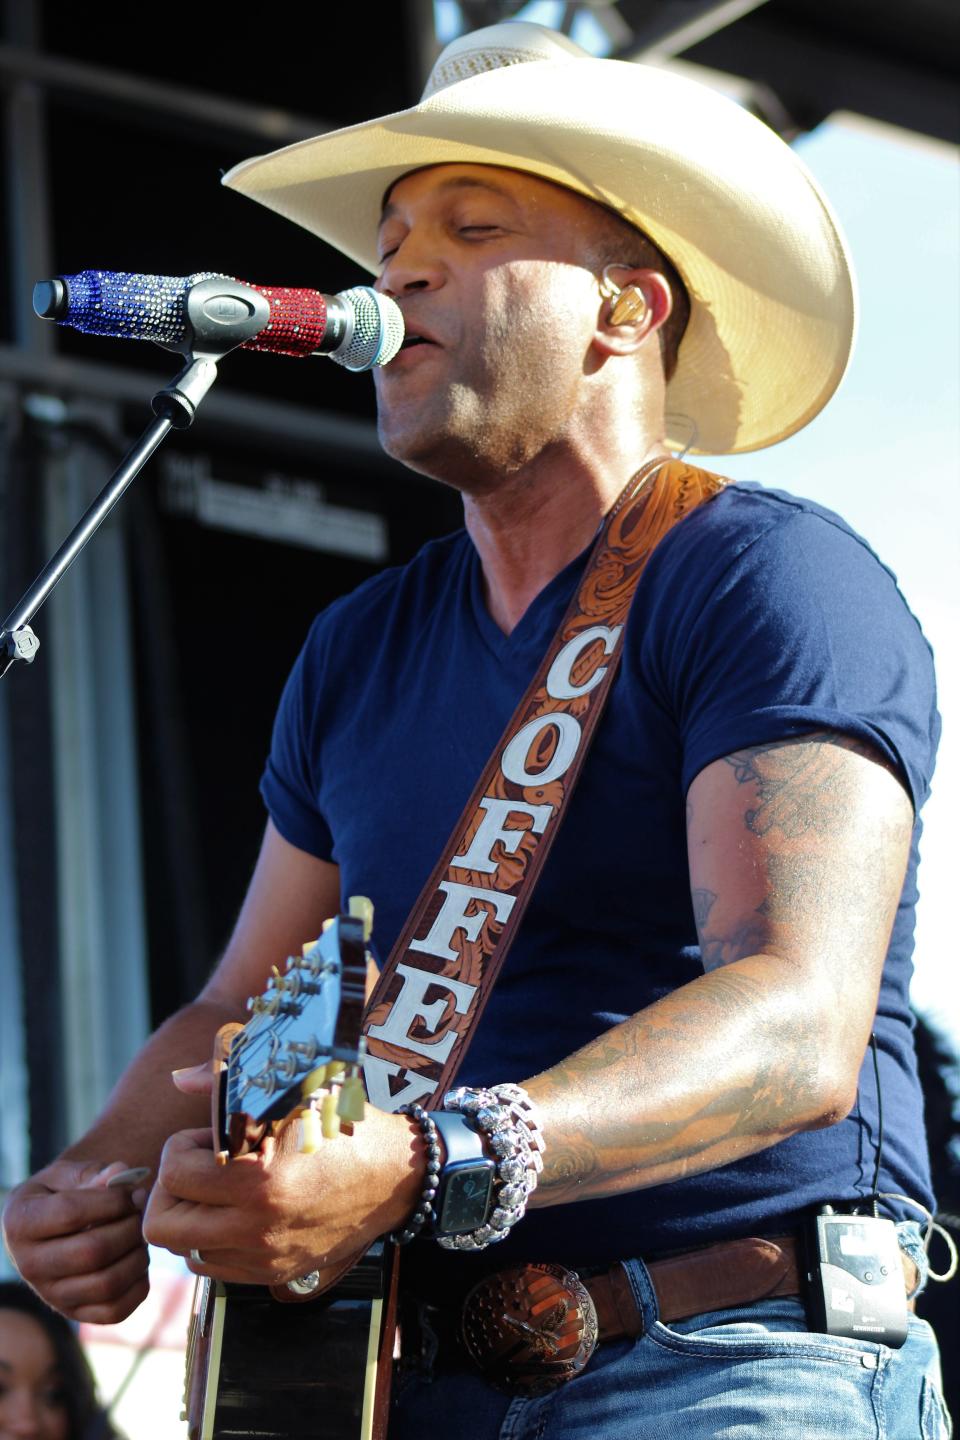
<point x="689" y="1001"/>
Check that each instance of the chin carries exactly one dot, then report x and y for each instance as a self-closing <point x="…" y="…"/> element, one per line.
<point x="414" y="450"/>
<point x="444" y="458"/>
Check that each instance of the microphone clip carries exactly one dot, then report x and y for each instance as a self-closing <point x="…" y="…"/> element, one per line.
<point x="221" y="314"/>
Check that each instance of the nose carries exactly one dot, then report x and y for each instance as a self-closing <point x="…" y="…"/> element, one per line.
<point x="21" y="1415"/>
<point x="411" y="267"/>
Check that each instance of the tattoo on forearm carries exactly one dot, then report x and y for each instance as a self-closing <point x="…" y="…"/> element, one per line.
<point x="762" y="1100"/>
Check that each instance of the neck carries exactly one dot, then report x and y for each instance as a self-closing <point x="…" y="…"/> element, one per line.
<point x="537" y="520"/>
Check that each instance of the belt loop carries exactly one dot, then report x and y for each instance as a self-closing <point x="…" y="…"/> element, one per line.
<point x="638" y="1278"/>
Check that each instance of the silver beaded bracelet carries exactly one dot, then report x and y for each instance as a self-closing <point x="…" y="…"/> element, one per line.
<point x="509" y="1120"/>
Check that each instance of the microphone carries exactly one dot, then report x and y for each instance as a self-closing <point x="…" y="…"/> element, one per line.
<point x="358" y="328"/>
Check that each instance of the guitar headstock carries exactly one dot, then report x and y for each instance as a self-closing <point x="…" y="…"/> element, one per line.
<point x="303" y="1037"/>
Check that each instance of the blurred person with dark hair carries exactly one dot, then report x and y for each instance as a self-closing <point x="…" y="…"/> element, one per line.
<point x="47" y="1389"/>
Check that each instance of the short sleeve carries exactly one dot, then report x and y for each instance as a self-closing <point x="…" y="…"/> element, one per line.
<point x="290" y="783"/>
<point x="803" y="629"/>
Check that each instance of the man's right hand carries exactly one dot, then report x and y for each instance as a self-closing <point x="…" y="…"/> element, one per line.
<point x="79" y="1243"/>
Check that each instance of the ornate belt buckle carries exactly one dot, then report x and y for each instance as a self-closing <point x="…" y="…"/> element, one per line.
<point x="530" y="1328"/>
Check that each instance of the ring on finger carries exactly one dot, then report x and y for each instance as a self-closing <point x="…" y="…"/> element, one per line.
<point x="197" y="1258"/>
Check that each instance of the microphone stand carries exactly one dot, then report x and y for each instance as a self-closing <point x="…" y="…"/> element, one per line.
<point x="213" y="330"/>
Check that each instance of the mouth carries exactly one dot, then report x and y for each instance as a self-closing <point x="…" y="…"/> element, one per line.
<point x="414" y="342"/>
<point x="417" y="330"/>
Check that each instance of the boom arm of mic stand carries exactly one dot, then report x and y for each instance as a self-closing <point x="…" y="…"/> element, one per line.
<point x="174" y="407"/>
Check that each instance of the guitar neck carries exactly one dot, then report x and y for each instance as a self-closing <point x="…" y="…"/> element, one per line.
<point x="257" y="1367"/>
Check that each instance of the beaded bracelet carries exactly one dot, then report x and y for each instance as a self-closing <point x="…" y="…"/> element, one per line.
<point x="424" y="1209"/>
<point x="506" y="1115"/>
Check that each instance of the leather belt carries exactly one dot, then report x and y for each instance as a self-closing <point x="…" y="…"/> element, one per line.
<point x="732" y="1272"/>
<point x="529" y="1328"/>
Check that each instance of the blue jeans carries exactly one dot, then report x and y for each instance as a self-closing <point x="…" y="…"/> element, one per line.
<point x="751" y="1373"/>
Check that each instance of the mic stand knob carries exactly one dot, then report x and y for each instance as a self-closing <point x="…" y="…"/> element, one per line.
<point x="19" y="644"/>
<point x="178" y="401"/>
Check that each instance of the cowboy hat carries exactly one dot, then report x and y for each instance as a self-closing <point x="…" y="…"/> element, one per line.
<point x="773" y="307"/>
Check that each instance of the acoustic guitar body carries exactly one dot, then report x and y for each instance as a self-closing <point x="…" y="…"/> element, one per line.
<point x="292" y="1372"/>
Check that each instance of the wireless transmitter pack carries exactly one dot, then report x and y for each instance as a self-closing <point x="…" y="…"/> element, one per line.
<point x="855" y="1279"/>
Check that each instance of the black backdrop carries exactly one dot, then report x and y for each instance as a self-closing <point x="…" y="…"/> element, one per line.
<point x="218" y="616"/>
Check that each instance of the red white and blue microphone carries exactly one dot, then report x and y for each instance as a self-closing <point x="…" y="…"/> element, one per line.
<point x="358" y="328"/>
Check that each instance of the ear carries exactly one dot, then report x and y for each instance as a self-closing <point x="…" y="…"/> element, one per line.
<point x="629" y="317"/>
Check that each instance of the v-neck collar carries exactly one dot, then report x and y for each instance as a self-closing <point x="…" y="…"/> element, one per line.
<point x="537" y="624"/>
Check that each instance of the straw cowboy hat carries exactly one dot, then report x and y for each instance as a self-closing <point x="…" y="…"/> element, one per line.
<point x="772" y="296"/>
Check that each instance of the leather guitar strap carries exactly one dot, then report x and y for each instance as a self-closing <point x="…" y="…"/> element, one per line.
<point x="438" y="977"/>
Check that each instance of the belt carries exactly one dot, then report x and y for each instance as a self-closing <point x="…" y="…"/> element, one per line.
<point x="531" y="1327"/>
<point x="732" y="1272"/>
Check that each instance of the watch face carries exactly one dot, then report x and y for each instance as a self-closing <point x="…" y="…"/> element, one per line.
<point x="466" y="1197"/>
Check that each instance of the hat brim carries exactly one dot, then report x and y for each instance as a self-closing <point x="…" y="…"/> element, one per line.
<point x="773" y="306"/>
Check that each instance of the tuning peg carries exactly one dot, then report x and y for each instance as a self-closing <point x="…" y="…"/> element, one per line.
<point x="352" y="1101"/>
<point x="310" y="1131"/>
<point x="329" y="1119"/>
<point x="361" y="908"/>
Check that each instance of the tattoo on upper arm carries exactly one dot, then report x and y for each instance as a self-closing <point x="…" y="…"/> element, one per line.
<point x="721" y="948"/>
<point x="703" y="903"/>
<point x="738" y="942"/>
<point x="799" y="796"/>
<point x="799" y="784"/>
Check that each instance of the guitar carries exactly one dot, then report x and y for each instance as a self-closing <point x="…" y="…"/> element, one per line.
<point x="259" y="1363"/>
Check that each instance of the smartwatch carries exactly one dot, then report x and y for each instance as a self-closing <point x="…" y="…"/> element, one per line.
<point x="464" y="1196"/>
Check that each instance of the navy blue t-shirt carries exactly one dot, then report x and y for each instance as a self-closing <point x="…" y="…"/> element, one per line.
<point x="760" y="616"/>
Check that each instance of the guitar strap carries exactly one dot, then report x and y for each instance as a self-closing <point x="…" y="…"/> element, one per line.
<point x="439" y="975"/>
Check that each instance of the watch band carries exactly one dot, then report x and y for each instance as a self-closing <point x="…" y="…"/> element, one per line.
<point x="464" y="1196"/>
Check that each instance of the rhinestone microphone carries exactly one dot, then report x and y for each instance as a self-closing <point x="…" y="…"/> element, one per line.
<point x="358" y="328"/>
